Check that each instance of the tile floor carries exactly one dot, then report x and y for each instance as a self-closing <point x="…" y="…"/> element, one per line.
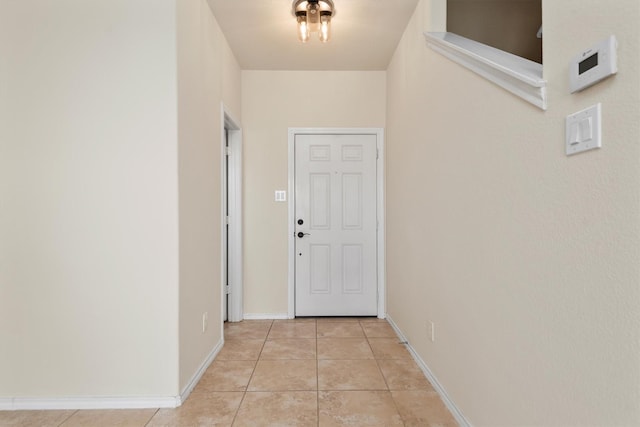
<point x="303" y="372"/>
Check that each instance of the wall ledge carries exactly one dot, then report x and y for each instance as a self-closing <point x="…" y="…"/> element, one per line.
<point x="519" y="76"/>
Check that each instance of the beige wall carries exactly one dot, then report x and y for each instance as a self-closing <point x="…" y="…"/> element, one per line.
<point x="88" y="199"/>
<point x="208" y="74"/>
<point x="510" y="25"/>
<point x="272" y="102"/>
<point x="110" y="235"/>
<point x="525" y="259"/>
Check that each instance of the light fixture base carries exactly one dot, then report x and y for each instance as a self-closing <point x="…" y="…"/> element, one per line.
<point x="323" y="6"/>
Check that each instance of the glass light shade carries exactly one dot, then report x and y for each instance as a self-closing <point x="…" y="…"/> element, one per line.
<point x="325" y="27"/>
<point x="303" y="28"/>
<point x="313" y="16"/>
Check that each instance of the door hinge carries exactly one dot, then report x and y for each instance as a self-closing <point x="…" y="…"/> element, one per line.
<point x="227" y="151"/>
<point x="227" y="220"/>
<point x="377" y="153"/>
<point x="227" y="290"/>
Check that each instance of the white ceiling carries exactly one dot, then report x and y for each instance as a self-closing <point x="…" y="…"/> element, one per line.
<point x="262" y="34"/>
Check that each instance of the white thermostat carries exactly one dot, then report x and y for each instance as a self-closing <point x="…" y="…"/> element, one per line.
<point x="594" y="65"/>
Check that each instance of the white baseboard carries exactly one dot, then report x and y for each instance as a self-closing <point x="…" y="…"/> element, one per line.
<point x="27" y="403"/>
<point x="455" y="411"/>
<point x="266" y="316"/>
<point x="186" y="391"/>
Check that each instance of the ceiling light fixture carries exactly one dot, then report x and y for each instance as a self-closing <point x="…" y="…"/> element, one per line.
<point x="313" y="16"/>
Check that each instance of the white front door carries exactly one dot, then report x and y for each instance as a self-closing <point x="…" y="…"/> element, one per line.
<point x="335" y="230"/>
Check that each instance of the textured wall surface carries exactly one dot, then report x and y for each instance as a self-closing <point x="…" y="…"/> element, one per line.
<point x="525" y="259"/>
<point x="88" y="199"/>
<point x="208" y="75"/>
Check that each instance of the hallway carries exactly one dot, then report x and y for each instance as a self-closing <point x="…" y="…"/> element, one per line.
<point x="303" y="372"/>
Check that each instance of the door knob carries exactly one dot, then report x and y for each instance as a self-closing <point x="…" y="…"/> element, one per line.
<point x="301" y="234"/>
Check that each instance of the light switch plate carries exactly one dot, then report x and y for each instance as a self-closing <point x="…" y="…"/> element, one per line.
<point x="584" y="130"/>
<point x="281" y="196"/>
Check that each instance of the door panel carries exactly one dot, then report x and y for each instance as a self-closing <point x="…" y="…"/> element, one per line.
<point x="335" y="184"/>
<point x="352" y="269"/>
<point x="320" y="269"/>
<point x="320" y="201"/>
<point x="351" y="201"/>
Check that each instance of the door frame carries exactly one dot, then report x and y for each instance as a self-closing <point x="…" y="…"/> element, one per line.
<point x="380" y="187"/>
<point x="235" y="305"/>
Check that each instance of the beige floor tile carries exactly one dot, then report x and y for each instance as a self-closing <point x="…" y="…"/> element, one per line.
<point x="241" y="350"/>
<point x="378" y="330"/>
<point x="247" y="330"/>
<point x="357" y="408"/>
<point x="291" y="348"/>
<point x="110" y="418"/>
<point x="34" y="418"/>
<point x="388" y="348"/>
<point x="285" y="375"/>
<point x="422" y="409"/>
<point x="403" y="374"/>
<point x="281" y="330"/>
<point x="340" y="330"/>
<point x="344" y="348"/>
<point x="227" y="375"/>
<point x="296" y="320"/>
<point x="201" y="409"/>
<point x="350" y="375"/>
<point x="338" y="319"/>
<point x="278" y="409"/>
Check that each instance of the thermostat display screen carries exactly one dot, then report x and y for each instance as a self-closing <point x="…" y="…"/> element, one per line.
<point x="588" y="63"/>
<point x="592" y="65"/>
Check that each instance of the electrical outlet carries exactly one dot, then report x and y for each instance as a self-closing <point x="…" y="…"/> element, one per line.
<point x="205" y="321"/>
<point x="432" y="330"/>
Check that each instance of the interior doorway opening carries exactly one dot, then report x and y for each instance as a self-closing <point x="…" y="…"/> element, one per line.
<point x="231" y="232"/>
<point x="514" y="26"/>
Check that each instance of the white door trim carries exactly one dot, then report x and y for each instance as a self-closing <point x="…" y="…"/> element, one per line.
<point x="380" y="238"/>
<point x="235" y="307"/>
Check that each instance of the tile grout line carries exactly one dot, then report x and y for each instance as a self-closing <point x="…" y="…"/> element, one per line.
<point x="69" y="417"/>
<point x="246" y="390"/>
<point x="151" y="418"/>
<point x="395" y="404"/>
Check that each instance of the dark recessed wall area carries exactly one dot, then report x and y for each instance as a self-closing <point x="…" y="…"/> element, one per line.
<point x="509" y="25"/>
